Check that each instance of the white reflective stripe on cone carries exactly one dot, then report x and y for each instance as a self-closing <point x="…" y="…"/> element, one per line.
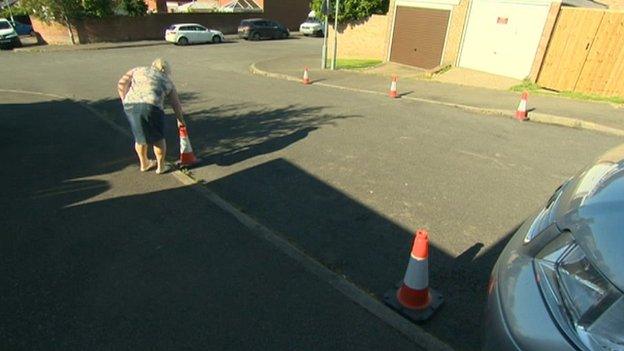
<point x="522" y="106"/>
<point x="417" y="274"/>
<point x="185" y="145"/>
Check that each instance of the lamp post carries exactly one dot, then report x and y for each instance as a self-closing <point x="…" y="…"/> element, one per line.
<point x="333" y="64"/>
<point x="325" y="11"/>
<point x="6" y="3"/>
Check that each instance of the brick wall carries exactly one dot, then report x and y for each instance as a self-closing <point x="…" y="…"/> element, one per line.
<point x="549" y="26"/>
<point x="151" y="27"/>
<point x="156" y="5"/>
<point x="372" y="39"/>
<point x="362" y="40"/>
<point x="455" y="33"/>
<point x="55" y="34"/>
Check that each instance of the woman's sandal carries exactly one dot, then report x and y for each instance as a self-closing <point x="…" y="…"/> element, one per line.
<point x="166" y="169"/>
<point x="151" y="165"/>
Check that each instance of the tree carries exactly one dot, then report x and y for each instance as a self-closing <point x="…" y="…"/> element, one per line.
<point x="61" y="11"/>
<point x="353" y="10"/>
<point x="133" y="7"/>
<point x="97" y="8"/>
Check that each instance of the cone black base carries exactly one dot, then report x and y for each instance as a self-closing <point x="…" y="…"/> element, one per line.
<point x="416" y="315"/>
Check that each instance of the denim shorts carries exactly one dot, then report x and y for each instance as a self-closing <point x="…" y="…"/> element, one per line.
<point x="147" y="122"/>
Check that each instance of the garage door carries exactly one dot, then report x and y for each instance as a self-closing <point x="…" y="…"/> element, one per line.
<point x="418" y="37"/>
<point x="502" y="37"/>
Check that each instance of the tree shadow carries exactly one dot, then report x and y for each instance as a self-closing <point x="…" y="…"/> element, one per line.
<point x="231" y="133"/>
<point x="228" y="134"/>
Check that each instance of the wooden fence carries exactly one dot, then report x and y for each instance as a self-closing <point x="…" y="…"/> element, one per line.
<point x="586" y="53"/>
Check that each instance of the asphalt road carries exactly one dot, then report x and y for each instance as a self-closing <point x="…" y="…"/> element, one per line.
<point x="346" y="177"/>
<point x="95" y="255"/>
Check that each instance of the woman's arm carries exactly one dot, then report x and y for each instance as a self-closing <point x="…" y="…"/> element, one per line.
<point x="174" y="100"/>
<point x="123" y="86"/>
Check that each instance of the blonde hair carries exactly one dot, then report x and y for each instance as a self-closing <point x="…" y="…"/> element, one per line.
<point x="162" y="66"/>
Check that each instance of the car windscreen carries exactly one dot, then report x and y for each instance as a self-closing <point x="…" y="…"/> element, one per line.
<point x="5" y="25"/>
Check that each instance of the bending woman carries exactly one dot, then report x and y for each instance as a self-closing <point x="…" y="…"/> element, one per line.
<point x="143" y="91"/>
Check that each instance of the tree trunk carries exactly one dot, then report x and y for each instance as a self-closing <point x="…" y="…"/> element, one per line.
<point x="70" y="30"/>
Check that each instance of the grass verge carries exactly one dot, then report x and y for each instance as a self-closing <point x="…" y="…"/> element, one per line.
<point x="531" y="87"/>
<point x="354" y="63"/>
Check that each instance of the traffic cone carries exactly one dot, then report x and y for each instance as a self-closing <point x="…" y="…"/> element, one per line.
<point x="413" y="298"/>
<point x="187" y="158"/>
<point x="521" y="112"/>
<point x="306" y="76"/>
<point x="393" y="88"/>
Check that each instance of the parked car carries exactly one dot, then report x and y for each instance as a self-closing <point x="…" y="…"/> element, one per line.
<point x="192" y="33"/>
<point x="8" y="35"/>
<point x="22" y="28"/>
<point x="259" y="28"/>
<point x="312" y="26"/>
<point x="559" y="282"/>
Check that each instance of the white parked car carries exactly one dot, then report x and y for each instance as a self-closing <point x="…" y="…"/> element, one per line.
<point x="8" y="35"/>
<point x="311" y="26"/>
<point x="191" y="33"/>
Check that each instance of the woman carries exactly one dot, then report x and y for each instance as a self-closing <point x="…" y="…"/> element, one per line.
<point x="142" y="91"/>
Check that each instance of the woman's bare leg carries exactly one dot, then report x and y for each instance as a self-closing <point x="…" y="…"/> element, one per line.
<point x="160" y="150"/>
<point x="141" y="150"/>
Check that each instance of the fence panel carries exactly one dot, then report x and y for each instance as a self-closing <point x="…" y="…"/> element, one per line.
<point x="568" y="48"/>
<point x="586" y="53"/>
<point x="603" y="72"/>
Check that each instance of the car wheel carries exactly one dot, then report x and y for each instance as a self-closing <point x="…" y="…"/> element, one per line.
<point x="255" y="36"/>
<point x="319" y="33"/>
<point x="183" y="41"/>
<point x="216" y="39"/>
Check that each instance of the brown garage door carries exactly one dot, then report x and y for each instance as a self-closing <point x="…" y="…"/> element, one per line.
<point x="418" y="38"/>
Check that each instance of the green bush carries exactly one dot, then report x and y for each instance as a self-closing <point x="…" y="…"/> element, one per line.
<point x="353" y="10"/>
<point x="133" y="7"/>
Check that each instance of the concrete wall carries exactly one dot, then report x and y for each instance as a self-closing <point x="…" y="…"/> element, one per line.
<point x="363" y="40"/>
<point x="152" y="27"/>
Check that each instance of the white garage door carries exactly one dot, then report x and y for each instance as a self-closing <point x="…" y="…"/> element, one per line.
<point x="502" y="37"/>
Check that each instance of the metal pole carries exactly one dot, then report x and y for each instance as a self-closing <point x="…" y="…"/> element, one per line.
<point x="325" y="37"/>
<point x="6" y="2"/>
<point x="333" y="64"/>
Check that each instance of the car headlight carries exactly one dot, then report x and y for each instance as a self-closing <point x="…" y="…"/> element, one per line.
<point x="546" y="216"/>
<point x="588" y="308"/>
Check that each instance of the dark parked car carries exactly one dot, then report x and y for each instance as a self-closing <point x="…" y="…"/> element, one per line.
<point x="22" y="28"/>
<point x="259" y="28"/>
<point x="559" y="282"/>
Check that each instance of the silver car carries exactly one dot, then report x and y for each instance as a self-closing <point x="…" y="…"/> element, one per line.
<point x="559" y="282"/>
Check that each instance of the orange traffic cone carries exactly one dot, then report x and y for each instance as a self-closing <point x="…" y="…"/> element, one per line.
<point x="413" y="298"/>
<point x="393" y="88"/>
<point x="306" y="76"/>
<point x="521" y="112"/>
<point x="187" y="158"/>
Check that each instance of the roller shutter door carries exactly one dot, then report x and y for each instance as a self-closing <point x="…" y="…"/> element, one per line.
<point x="419" y="35"/>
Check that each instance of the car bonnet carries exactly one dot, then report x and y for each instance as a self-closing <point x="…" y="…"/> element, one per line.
<point x="591" y="207"/>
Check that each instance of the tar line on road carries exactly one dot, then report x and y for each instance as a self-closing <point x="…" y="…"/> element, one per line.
<point x="412" y="331"/>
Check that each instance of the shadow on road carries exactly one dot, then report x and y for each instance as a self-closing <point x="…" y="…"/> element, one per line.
<point x="356" y="241"/>
<point x="89" y="274"/>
